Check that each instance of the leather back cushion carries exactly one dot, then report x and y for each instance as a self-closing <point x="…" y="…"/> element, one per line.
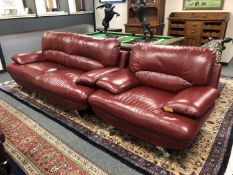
<point x="60" y="41"/>
<point x="106" y="51"/>
<point x="193" y="64"/>
<point x="162" y="81"/>
<point x="73" y="61"/>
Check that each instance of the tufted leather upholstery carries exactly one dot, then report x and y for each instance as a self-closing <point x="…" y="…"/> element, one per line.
<point x="54" y="72"/>
<point x="170" y="76"/>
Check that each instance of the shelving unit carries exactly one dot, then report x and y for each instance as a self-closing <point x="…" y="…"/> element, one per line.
<point x="42" y="8"/>
<point x="155" y="16"/>
<point x="11" y="24"/>
<point x="197" y="27"/>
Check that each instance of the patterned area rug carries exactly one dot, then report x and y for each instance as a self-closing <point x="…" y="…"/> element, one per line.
<point x="204" y="156"/>
<point x="38" y="152"/>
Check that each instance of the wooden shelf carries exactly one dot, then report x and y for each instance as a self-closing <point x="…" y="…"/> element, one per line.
<point x="209" y="27"/>
<point x="197" y="27"/>
<point x="151" y="5"/>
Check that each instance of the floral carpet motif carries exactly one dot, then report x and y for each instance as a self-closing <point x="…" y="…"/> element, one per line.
<point x="37" y="151"/>
<point x="204" y="155"/>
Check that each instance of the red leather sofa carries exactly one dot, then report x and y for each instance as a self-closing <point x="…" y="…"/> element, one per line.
<point x="164" y="96"/>
<point x="67" y="59"/>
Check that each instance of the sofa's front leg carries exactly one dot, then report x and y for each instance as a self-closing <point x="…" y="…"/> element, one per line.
<point x="168" y="152"/>
<point x="5" y="167"/>
<point x="164" y="151"/>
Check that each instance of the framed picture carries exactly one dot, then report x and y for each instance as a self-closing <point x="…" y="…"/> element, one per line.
<point x="8" y="2"/>
<point x="2" y="61"/>
<point x="10" y="11"/>
<point x="203" y="4"/>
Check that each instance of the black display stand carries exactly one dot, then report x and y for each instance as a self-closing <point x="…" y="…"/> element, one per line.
<point x="2" y="63"/>
<point x="101" y="29"/>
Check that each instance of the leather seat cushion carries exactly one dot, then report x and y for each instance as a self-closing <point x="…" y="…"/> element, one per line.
<point x="141" y="107"/>
<point x="30" y="71"/>
<point x="63" y="84"/>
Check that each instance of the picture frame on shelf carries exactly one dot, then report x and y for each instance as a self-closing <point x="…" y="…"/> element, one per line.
<point x="2" y="61"/>
<point x="203" y="4"/>
<point x="10" y="11"/>
<point x="8" y="3"/>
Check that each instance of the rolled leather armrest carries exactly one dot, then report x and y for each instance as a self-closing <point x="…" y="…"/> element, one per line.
<point x="192" y="102"/>
<point x="30" y="57"/>
<point x="90" y="78"/>
<point x="119" y="81"/>
<point x="124" y="59"/>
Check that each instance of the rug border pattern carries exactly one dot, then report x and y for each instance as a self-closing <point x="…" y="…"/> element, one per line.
<point x="90" y="167"/>
<point x="119" y="151"/>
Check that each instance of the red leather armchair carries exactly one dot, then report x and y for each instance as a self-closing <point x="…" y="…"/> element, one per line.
<point x="67" y="67"/>
<point x="164" y="96"/>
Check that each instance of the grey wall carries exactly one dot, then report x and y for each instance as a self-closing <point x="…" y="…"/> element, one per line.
<point x="31" y="41"/>
<point x="10" y="26"/>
